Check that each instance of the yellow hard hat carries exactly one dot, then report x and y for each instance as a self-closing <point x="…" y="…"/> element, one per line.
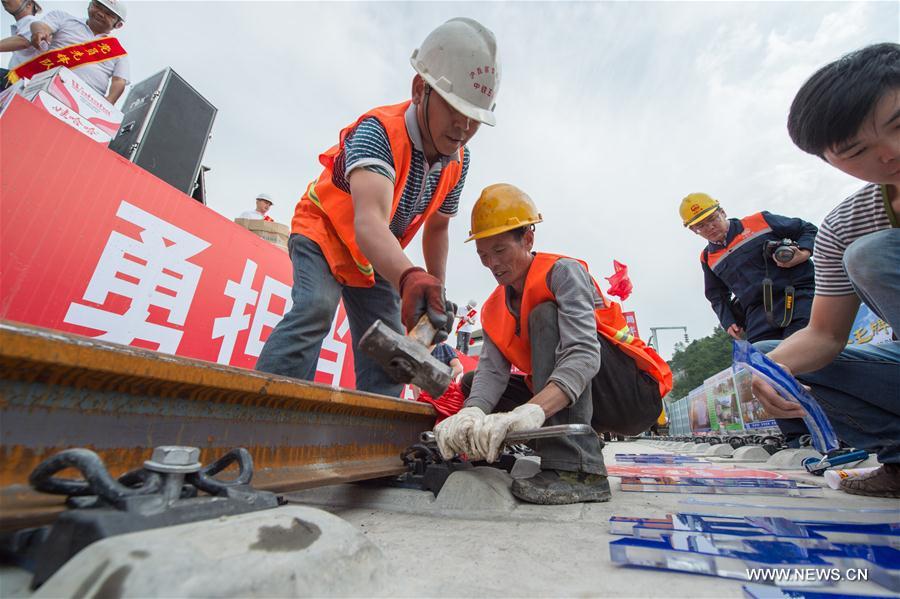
<point x="500" y="208"/>
<point x="697" y="207"/>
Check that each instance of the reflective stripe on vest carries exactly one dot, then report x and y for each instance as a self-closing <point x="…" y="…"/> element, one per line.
<point x="513" y="342"/>
<point x="754" y="226"/>
<point x="325" y="212"/>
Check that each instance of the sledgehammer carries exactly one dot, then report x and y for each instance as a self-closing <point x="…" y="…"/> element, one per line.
<point x="408" y="359"/>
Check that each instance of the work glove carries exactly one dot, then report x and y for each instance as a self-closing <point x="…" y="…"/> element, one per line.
<point x="453" y="434"/>
<point x="422" y="293"/>
<point x="490" y="433"/>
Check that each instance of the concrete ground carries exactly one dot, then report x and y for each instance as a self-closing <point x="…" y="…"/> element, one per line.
<point x="475" y="539"/>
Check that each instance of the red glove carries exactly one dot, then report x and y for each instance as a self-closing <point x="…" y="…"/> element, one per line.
<point x="422" y="293"/>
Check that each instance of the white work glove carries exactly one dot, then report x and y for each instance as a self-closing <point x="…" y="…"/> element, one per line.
<point x="453" y="434"/>
<point x="490" y="433"/>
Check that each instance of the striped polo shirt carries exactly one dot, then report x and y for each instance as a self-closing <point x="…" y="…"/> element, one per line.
<point x="368" y="147"/>
<point x="862" y="213"/>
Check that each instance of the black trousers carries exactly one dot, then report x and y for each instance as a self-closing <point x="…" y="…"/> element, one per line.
<point x="620" y="399"/>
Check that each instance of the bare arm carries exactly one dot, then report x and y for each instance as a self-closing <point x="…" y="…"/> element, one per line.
<point x="818" y="344"/>
<point x="40" y="32"/>
<point x="809" y="349"/>
<point x="435" y="244"/>
<point x="551" y="399"/>
<point x="372" y="195"/>
<point x="116" y="87"/>
<point x="456" y="367"/>
<point x="14" y="43"/>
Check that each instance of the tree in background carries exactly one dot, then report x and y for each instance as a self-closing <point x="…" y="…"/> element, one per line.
<point x="696" y="362"/>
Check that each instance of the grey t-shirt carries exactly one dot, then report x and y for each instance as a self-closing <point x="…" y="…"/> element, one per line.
<point x="578" y="352"/>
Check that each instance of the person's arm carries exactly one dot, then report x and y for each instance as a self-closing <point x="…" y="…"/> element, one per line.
<point x="456" y="367"/>
<point x="116" y="87"/>
<point x="820" y="342"/>
<point x="43" y="30"/>
<point x="797" y="229"/>
<point x="436" y="243"/>
<point x="719" y="296"/>
<point x="810" y="348"/>
<point x="578" y="354"/>
<point x="14" y="43"/>
<point x="372" y="196"/>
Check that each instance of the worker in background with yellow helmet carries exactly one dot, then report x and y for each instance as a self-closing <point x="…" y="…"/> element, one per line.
<point x="548" y="318"/>
<point x="395" y="170"/>
<point x="757" y="274"/>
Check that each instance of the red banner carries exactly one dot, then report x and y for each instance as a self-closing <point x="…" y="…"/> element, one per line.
<point x="92" y="244"/>
<point x="631" y="321"/>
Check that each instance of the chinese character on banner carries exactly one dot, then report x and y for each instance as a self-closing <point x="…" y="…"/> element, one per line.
<point x="868" y="328"/>
<point x="334" y="351"/>
<point x="631" y="321"/>
<point x="151" y="272"/>
<point x="228" y="327"/>
<point x="265" y="315"/>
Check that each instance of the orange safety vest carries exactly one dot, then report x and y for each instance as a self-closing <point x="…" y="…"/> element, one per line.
<point x="754" y="226"/>
<point x="500" y="325"/>
<point x="325" y="212"/>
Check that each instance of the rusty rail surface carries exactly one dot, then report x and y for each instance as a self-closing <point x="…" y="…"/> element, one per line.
<point x="59" y="391"/>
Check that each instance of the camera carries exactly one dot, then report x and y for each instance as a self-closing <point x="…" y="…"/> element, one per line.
<point x="783" y="250"/>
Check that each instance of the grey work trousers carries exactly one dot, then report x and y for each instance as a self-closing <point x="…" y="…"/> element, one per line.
<point x="621" y="398"/>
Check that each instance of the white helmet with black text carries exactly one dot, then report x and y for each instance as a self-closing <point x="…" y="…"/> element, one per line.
<point x="459" y="61"/>
<point x="117" y="7"/>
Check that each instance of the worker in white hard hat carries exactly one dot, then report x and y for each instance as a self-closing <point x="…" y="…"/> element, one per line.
<point x="82" y="45"/>
<point x="24" y="12"/>
<point x="393" y="171"/>
<point x="468" y="316"/>
<point x="263" y="204"/>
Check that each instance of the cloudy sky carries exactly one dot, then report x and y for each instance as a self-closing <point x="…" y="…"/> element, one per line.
<point x="608" y="114"/>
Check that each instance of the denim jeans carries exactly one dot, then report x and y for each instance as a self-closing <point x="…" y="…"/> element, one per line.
<point x="293" y="346"/>
<point x="462" y="341"/>
<point x="860" y="389"/>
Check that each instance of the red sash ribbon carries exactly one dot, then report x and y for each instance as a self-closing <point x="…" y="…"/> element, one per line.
<point x="71" y="57"/>
<point x="465" y="318"/>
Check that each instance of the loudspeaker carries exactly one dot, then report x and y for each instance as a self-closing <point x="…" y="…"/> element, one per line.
<point x="165" y="128"/>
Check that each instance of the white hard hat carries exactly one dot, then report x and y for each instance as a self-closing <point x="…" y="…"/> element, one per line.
<point x="459" y="61"/>
<point x="264" y="196"/>
<point x="117" y="7"/>
<point x="472" y="303"/>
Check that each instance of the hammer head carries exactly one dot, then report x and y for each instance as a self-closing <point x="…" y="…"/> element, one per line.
<point x="405" y="359"/>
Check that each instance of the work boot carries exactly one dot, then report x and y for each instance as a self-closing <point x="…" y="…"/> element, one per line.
<point x="884" y="482"/>
<point x="558" y="487"/>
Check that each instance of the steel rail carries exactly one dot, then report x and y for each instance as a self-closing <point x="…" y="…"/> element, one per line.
<point x="59" y="391"/>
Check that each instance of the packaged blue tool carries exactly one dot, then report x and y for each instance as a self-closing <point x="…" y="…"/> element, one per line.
<point x="746" y="356"/>
<point x="725" y="486"/>
<point x="732" y="529"/>
<point x="812" y="566"/>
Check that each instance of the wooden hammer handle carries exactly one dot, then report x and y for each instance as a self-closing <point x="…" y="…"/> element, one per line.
<point x="423" y="332"/>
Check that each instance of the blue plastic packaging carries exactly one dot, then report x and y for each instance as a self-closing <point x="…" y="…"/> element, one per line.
<point x="824" y="438"/>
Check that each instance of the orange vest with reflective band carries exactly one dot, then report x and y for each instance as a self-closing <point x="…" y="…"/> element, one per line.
<point x="325" y="212"/>
<point x="754" y="226"/>
<point x="500" y="325"/>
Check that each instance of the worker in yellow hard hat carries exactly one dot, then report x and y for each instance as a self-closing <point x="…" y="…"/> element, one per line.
<point x="565" y="381"/>
<point x="395" y="170"/>
<point x="757" y="274"/>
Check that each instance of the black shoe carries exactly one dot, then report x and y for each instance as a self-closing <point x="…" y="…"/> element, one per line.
<point x="884" y="482"/>
<point x="559" y="487"/>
